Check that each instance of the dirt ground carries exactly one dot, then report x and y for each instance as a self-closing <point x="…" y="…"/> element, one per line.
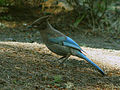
<point x="27" y="64"/>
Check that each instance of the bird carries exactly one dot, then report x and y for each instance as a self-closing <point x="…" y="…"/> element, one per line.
<point x="59" y="43"/>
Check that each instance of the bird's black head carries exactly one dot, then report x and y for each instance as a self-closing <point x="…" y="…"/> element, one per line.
<point x="40" y="23"/>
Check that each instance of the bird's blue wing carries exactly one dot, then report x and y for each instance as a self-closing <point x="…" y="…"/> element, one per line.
<point x="66" y="41"/>
<point x="70" y="43"/>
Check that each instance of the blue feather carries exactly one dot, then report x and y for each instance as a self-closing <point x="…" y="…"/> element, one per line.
<point x="81" y="55"/>
<point x="70" y="43"/>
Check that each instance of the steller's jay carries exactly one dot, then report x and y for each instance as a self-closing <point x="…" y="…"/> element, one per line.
<point x="59" y="43"/>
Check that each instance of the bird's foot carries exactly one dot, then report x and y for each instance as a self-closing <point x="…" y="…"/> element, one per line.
<point x="62" y="63"/>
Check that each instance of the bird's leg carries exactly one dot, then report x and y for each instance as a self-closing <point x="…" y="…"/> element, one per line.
<point x="65" y="58"/>
<point x="61" y="57"/>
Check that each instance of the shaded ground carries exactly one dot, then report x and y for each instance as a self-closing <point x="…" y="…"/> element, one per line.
<point x="26" y="64"/>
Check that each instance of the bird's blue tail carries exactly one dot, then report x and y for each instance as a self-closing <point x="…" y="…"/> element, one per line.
<point x="81" y="55"/>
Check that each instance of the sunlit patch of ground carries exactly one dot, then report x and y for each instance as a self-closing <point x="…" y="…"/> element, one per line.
<point x="108" y="58"/>
<point x="29" y="66"/>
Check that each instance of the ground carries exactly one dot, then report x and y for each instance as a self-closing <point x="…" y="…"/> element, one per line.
<point x="27" y="64"/>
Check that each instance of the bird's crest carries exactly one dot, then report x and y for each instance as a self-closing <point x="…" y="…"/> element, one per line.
<point x="39" y="20"/>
